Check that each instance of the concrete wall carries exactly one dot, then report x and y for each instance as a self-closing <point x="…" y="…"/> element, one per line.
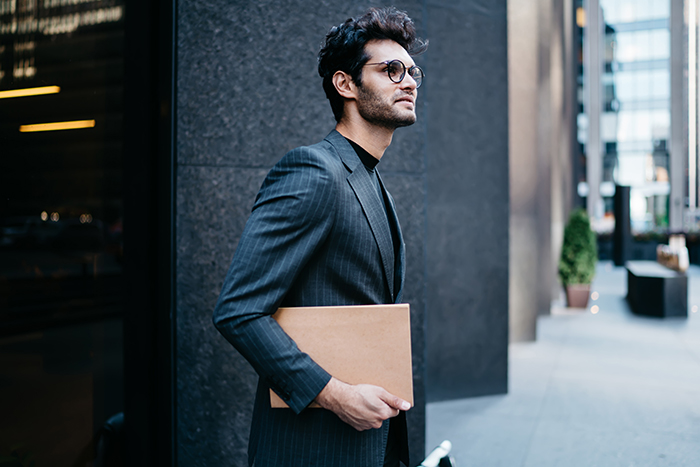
<point x="247" y="92"/>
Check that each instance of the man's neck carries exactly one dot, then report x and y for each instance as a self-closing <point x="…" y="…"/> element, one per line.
<point x="372" y="138"/>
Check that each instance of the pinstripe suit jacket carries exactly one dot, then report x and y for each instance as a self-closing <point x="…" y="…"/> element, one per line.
<point x="318" y="235"/>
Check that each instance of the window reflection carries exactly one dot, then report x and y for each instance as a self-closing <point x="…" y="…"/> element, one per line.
<point x="61" y="214"/>
<point x="59" y="386"/>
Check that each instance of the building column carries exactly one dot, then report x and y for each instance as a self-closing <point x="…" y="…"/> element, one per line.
<point x="593" y="69"/>
<point x="679" y="118"/>
<point x="523" y="102"/>
<point x="540" y="132"/>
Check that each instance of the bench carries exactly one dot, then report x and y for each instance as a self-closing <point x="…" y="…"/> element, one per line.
<point x="655" y="290"/>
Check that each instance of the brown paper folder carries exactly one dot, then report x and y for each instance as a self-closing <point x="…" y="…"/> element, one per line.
<point x="367" y="344"/>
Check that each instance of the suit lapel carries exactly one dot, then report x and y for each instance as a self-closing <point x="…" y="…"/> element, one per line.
<point x="367" y="195"/>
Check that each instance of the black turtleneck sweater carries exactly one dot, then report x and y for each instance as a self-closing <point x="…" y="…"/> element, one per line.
<point x="370" y="162"/>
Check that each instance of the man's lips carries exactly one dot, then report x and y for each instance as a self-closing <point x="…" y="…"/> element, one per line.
<point x="408" y="99"/>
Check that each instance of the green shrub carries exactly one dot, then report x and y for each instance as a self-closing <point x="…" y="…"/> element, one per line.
<point x="578" y="252"/>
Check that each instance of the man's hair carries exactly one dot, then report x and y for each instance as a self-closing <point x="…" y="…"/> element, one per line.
<point x="344" y="47"/>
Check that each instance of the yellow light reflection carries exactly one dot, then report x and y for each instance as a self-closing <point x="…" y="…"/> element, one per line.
<point x="594" y="296"/>
<point x="29" y="92"/>
<point x="581" y="17"/>
<point x="44" y="216"/>
<point x="74" y="125"/>
<point x="595" y="309"/>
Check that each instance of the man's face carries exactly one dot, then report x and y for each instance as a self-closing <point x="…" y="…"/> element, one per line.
<point x="380" y="101"/>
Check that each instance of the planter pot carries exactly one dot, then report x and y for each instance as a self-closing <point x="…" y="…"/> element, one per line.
<point x="577" y="295"/>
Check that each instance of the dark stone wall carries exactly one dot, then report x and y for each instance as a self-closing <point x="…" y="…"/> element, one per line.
<point x="467" y="204"/>
<point x="247" y="92"/>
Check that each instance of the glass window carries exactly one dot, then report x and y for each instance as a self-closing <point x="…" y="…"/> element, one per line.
<point x="660" y="9"/>
<point x="631" y="169"/>
<point x="625" y="86"/>
<point x="61" y="369"/>
<point x="59" y="387"/>
<point x="642" y="85"/>
<point x="642" y="10"/>
<point x="659" y="44"/>
<point x="608" y="127"/>
<point x="610" y="11"/>
<point x="633" y="126"/>
<point x="629" y="11"/>
<point x="661" y="124"/>
<point x="629" y="48"/>
<point x="660" y="84"/>
<point x="633" y="46"/>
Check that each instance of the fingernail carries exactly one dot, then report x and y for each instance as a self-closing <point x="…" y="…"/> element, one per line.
<point x="405" y="405"/>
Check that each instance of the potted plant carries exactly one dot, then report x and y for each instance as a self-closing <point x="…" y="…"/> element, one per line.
<point x="578" y="259"/>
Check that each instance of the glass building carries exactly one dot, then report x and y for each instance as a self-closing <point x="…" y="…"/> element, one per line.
<point x="630" y="76"/>
<point x="635" y="127"/>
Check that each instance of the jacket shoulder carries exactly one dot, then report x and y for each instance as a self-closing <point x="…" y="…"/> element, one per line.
<point x="304" y="173"/>
<point x="321" y="155"/>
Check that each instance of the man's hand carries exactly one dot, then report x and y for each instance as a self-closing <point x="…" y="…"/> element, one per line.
<point x="361" y="406"/>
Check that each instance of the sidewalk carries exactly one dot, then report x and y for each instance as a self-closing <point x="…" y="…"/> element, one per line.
<point x="605" y="389"/>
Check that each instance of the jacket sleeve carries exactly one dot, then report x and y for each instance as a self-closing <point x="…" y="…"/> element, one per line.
<point x="292" y="216"/>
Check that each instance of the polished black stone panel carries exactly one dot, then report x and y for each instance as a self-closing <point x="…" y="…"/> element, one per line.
<point x="249" y="89"/>
<point x="468" y="200"/>
<point x="247" y="81"/>
<point x="215" y="385"/>
<point x="407" y="151"/>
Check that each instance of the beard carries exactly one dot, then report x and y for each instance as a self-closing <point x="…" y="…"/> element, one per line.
<point x="378" y="111"/>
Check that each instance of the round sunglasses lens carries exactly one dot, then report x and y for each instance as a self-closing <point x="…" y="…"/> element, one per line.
<point x="396" y="71"/>
<point x="417" y="75"/>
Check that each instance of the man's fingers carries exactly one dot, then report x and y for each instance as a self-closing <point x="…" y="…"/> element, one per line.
<point x="402" y="404"/>
<point x="363" y="406"/>
<point x="396" y="402"/>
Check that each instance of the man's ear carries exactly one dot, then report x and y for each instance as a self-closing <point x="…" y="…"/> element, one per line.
<point x="344" y="85"/>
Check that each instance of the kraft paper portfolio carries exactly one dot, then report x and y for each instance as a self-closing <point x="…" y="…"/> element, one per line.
<point x="367" y="344"/>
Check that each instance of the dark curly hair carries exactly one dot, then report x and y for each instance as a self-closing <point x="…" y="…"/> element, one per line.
<point x="344" y="47"/>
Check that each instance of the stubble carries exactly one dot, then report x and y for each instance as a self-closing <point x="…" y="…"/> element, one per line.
<point x="381" y="112"/>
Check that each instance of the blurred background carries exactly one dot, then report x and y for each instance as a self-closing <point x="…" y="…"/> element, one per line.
<point x="134" y="136"/>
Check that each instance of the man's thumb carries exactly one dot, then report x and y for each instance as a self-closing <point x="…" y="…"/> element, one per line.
<point x="399" y="404"/>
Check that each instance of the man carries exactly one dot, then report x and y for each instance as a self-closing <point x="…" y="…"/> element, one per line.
<point x="324" y="232"/>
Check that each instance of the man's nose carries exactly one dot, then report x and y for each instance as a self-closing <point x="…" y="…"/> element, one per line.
<point x="408" y="82"/>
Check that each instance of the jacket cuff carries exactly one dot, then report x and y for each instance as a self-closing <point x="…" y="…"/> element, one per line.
<point x="298" y="396"/>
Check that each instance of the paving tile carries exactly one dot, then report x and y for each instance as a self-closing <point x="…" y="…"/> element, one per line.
<point x="557" y="444"/>
<point x="624" y="405"/>
<point x="483" y="440"/>
<point x="604" y="389"/>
